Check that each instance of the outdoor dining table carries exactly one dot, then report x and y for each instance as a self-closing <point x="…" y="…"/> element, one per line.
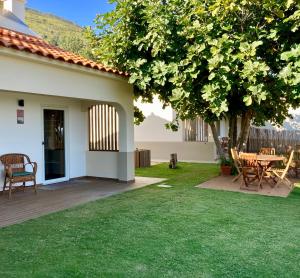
<point x="265" y="162"/>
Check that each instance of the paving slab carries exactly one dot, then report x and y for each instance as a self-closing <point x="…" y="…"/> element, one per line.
<point x="225" y="183"/>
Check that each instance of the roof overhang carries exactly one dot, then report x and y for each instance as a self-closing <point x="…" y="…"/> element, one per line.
<point x="10" y="52"/>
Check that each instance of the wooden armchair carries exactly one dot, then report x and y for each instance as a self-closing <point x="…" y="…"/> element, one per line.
<point x="15" y="173"/>
<point x="250" y="170"/>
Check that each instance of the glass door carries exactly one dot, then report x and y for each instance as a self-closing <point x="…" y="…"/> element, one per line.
<point x="54" y="144"/>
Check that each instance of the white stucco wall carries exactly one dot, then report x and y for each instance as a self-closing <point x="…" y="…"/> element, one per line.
<point x="27" y="138"/>
<point x="153" y="128"/>
<point x="186" y="151"/>
<point x="10" y="21"/>
<point x="153" y="135"/>
<point x="105" y="170"/>
<point x="34" y="77"/>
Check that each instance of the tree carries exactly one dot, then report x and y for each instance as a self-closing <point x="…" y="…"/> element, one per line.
<point x="215" y="58"/>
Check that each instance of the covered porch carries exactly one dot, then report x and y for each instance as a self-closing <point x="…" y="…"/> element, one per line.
<point x="51" y="198"/>
<point x="30" y="99"/>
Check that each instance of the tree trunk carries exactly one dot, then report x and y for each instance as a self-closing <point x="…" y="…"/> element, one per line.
<point x="232" y="135"/>
<point x="234" y="142"/>
<point x="245" y="128"/>
<point x="216" y="139"/>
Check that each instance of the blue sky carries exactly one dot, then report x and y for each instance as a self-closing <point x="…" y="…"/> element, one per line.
<point x="80" y="12"/>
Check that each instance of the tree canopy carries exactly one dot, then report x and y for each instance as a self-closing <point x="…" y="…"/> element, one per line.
<point x="210" y="58"/>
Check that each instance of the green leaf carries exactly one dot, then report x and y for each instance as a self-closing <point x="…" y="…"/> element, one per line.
<point x="211" y="76"/>
<point x="289" y="3"/>
<point x="248" y="100"/>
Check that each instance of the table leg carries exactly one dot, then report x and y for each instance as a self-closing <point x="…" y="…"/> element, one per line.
<point x="264" y="169"/>
<point x="261" y="177"/>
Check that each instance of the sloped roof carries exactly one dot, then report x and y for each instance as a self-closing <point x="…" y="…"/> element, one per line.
<point x="36" y="45"/>
<point x="10" y="21"/>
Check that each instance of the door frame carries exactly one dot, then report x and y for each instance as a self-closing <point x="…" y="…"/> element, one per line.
<point x="67" y="144"/>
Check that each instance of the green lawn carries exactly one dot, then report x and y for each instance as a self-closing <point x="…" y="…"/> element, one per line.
<point x="157" y="232"/>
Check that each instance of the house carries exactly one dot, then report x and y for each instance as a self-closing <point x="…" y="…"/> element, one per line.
<point x="72" y="116"/>
<point x="192" y="142"/>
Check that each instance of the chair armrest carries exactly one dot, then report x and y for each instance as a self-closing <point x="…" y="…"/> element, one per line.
<point x="8" y="171"/>
<point x="33" y="165"/>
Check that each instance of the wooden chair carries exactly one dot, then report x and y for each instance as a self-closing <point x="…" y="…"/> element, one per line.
<point x="237" y="163"/>
<point x="15" y="172"/>
<point x="280" y="174"/>
<point x="296" y="162"/>
<point x="267" y="151"/>
<point x="250" y="169"/>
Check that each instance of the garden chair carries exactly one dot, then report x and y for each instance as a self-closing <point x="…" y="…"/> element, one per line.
<point x="280" y="173"/>
<point x="15" y="173"/>
<point x="295" y="167"/>
<point x="267" y="151"/>
<point x="250" y="169"/>
<point x="237" y="163"/>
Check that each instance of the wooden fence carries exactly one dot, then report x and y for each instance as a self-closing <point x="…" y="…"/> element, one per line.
<point x="281" y="140"/>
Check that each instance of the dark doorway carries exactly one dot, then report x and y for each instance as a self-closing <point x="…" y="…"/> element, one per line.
<point x="54" y="144"/>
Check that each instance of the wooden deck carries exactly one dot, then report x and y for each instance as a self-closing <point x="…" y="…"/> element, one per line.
<point x="26" y="205"/>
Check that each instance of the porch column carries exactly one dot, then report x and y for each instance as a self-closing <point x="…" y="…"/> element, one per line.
<point x="126" y="171"/>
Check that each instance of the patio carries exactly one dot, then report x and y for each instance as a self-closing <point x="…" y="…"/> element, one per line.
<point x="225" y="183"/>
<point x="51" y="198"/>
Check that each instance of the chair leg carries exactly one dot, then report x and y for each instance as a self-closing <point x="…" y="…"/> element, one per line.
<point x="260" y="181"/>
<point x="10" y="188"/>
<point x="244" y="182"/>
<point x="24" y="185"/>
<point x="285" y="181"/>
<point x="4" y="186"/>
<point x="288" y="182"/>
<point x="35" y="186"/>
<point x="237" y="177"/>
<point x="280" y="181"/>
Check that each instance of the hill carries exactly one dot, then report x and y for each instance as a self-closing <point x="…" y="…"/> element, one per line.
<point x="58" y="31"/>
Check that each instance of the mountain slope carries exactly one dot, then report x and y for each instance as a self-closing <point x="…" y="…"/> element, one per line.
<point x="58" y="31"/>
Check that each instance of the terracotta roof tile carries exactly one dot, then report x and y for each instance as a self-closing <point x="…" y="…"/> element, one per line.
<point x="38" y="46"/>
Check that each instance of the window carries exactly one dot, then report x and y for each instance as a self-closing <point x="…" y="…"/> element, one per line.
<point x="195" y="130"/>
<point x="103" y="128"/>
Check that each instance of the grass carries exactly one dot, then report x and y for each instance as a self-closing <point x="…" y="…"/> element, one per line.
<point x="182" y="231"/>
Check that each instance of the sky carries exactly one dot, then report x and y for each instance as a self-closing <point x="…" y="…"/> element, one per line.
<point x="80" y="12"/>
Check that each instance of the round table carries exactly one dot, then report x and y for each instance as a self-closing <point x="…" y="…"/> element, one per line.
<point x="269" y="158"/>
<point x="265" y="162"/>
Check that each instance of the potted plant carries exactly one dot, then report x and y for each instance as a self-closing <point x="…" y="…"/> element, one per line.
<point x="226" y="166"/>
